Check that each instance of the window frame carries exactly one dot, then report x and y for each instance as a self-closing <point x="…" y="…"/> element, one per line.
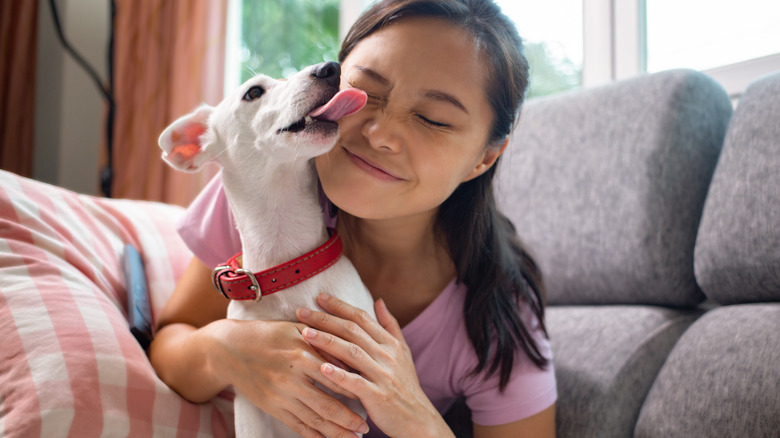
<point x="615" y="45"/>
<point x="615" y="34"/>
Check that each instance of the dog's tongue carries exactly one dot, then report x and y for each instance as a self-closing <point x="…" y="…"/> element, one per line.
<point x="344" y="103"/>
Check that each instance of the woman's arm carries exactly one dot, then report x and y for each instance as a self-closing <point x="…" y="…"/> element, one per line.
<point x="541" y="425"/>
<point x="198" y="353"/>
<point x="179" y="339"/>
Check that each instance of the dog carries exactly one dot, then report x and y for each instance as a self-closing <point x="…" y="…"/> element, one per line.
<point x="265" y="136"/>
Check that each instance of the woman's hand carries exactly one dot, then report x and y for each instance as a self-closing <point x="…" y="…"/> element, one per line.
<point x="385" y="380"/>
<point x="270" y="364"/>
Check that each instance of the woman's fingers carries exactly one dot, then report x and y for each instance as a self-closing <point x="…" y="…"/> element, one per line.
<point x="359" y="317"/>
<point x="324" y="413"/>
<point x="387" y="320"/>
<point x="314" y="375"/>
<point x="296" y="425"/>
<point x="352" y="335"/>
<point x="319" y="410"/>
<point x="349" y="381"/>
<point x="306" y="408"/>
<point x="308" y="431"/>
<point x="279" y="376"/>
<point x="348" y="352"/>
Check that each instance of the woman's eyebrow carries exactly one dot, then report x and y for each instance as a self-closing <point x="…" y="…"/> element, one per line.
<point x="442" y="96"/>
<point x="373" y="75"/>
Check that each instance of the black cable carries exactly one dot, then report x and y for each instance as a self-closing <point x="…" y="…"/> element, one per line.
<point x="107" y="173"/>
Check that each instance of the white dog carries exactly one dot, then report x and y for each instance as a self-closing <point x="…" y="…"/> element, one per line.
<point x="264" y="136"/>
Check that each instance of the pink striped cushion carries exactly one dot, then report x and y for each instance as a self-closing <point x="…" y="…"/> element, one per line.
<point x="68" y="363"/>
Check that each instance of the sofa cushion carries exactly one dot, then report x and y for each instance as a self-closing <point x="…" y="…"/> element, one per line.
<point x="606" y="358"/>
<point x="68" y="363"/>
<point x="738" y="247"/>
<point x="721" y="380"/>
<point x="606" y="186"/>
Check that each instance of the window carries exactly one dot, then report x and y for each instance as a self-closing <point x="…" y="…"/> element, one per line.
<point x="279" y="38"/>
<point x="552" y="33"/>
<point x="734" y="42"/>
<point x="703" y="34"/>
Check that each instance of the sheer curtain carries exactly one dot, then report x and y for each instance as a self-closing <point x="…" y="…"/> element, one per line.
<point x="18" y="40"/>
<point x="168" y="58"/>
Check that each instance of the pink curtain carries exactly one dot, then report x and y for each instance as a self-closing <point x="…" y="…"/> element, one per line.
<point x="18" y="40"/>
<point x="168" y="59"/>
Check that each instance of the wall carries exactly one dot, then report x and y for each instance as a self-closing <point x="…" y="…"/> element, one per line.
<point x="69" y="114"/>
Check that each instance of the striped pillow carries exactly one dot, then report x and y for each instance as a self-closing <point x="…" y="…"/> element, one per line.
<point x="68" y="364"/>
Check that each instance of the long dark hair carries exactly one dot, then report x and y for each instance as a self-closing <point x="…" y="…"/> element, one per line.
<point x="483" y="243"/>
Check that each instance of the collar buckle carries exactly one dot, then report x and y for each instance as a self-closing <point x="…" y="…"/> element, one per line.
<point x="219" y="271"/>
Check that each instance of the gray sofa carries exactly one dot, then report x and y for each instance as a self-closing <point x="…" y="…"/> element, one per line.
<point x="654" y="213"/>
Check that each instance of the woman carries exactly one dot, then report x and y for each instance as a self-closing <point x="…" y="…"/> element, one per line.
<point x="410" y="186"/>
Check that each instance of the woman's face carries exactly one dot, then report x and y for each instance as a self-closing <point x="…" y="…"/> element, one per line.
<point x="424" y="128"/>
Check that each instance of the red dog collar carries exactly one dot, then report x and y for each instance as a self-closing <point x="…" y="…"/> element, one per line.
<point x="236" y="283"/>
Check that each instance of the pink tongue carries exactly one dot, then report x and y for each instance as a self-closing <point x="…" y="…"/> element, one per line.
<point x="344" y="103"/>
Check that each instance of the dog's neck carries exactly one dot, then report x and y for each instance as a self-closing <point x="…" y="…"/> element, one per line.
<point x="277" y="212"/>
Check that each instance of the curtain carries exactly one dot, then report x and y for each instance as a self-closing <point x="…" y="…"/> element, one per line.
<point x="169" y="58"/>
<point x="18" y="41"/>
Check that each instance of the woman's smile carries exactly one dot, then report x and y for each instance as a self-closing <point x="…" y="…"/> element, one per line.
<point x="370" y="168"/>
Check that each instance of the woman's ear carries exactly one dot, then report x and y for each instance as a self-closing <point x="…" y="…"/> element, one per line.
<point x="489" y="157"/>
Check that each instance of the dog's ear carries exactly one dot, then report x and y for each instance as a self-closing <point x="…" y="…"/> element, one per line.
<point x="185" y="142"/>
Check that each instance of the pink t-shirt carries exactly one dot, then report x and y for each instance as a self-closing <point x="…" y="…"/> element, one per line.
<point x="437" y="337"/>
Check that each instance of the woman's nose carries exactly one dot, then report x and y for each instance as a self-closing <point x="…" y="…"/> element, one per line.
<point x="383" y="133"/>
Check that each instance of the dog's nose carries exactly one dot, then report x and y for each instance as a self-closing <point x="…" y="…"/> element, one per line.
<point x="330" y="72"/>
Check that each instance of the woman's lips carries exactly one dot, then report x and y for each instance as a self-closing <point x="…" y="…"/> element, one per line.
<point x="370" y="168"/>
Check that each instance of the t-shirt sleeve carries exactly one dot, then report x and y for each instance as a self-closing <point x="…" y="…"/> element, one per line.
<point x="530" y="390"/>
<point x="208" y="228"/>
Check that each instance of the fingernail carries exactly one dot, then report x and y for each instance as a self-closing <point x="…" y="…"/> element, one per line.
<point x="309" y="333"/>
<point x="304" y="313"/>
<point x="327" y="368"/>
<point x="363" y="428"/>
<point x="325" y="297"/>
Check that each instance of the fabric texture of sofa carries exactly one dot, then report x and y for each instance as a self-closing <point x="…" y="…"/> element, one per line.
<point x="654" y="214"/>
<point x="652" y="208"/>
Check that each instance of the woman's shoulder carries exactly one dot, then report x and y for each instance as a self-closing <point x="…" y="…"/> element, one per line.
<point x="208" y="227"/>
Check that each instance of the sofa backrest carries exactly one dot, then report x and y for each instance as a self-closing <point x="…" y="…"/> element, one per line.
<point x="722" y="378"/>
<point x="606" y="186"/>
<point x="737" y="257"/>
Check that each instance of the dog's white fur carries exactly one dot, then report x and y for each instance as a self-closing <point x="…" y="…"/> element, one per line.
<point x="271" y="186"/>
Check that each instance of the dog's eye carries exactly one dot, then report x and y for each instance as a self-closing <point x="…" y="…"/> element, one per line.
<point x="253" y="93"/>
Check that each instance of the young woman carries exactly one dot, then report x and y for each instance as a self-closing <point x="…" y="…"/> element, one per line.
<point x="459" y="302"/>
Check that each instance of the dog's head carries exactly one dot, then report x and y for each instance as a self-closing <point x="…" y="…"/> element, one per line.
<point x="265" y="118"/>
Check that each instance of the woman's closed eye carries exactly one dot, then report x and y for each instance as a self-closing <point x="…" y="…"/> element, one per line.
<point x="431" y="123"/>
<point x="374" y="100"/>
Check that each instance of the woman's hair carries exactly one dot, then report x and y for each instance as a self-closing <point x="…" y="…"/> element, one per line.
<point x="483" y="243"/>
